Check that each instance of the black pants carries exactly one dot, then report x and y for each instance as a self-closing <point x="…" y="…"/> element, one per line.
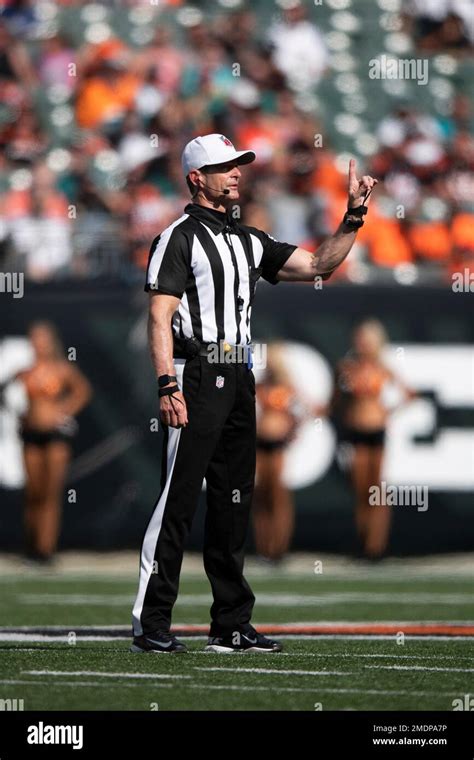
<point x="218" y="443"/>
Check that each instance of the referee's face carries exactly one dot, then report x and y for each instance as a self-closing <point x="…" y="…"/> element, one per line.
<point x="220" y="177"/>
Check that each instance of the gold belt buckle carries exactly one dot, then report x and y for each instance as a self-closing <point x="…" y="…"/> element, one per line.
<point x="227" y="347"/>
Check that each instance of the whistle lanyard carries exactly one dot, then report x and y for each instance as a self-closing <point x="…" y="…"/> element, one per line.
<point x="228" y="240"/>
<point x="240" y="300"/>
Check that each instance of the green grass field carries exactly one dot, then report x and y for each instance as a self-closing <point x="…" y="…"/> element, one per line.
<point x="81" y="672"/>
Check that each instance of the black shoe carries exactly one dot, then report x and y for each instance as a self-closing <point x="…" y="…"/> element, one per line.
<point x="238" y="641"/>
<point x="157" y="642"/>
<point x="37" y="560"/>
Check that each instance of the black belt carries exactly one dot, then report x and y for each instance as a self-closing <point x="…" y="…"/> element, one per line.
<point x="219" y="353"/>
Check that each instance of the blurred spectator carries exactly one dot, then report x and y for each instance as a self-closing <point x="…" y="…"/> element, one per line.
<point x="428" y="231"/>
<point x="252" y="127"/>
<point x="105" y="97"/>
<point x="26" y="143"/>
<point x="297" y="210"/>
<point x="15" y="63"/>
<point x="56" y="63"/>
<point x="164" y="60"/>
<point x="441" y="24"/>
<point x="462" y="232"/>
<point x="299" y="50"/>
<point x="383" y="235"/>
<point x="20" y="17"/>
<point x="37" y="220"/>
<point x="110" y="120"/>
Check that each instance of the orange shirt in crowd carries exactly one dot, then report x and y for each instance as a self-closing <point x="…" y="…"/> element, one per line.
<point x="430" y="241"/>
<point x="462" y="232"/>
<point x="261" y="137"/>
<point x="18" y="204"/>
<point x="101" y="100"/>
<point x="387" y="243"/>
<point x="328" y="178"/>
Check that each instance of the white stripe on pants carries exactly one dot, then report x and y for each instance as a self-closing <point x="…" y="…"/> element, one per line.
<point x="153" y="531"/>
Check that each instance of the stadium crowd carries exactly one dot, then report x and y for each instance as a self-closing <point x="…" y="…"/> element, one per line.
<point x="97" y="101"/>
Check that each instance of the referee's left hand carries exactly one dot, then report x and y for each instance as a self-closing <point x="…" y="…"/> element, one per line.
<point x="358" y="188"/>
<point x="173" y="411"/>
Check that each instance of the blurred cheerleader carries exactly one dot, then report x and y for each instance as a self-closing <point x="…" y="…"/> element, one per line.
<point x="359" y="405"/>
<point x="279" y="412"/>
<point x="56" y="391"/>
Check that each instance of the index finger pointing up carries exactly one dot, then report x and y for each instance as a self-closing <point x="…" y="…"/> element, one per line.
<point x="352" y="170"/>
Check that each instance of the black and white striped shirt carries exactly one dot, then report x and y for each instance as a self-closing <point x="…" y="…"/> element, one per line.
<point x="212" y="263"/>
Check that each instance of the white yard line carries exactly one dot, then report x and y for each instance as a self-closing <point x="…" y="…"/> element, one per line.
<point x="384" y="656"/>
<point x="419" y="667"/>
<point x="99" y="673"/>
<point x="275" y="671"/>
<point x="373" y="636"/>
<point x="307" y="623"/>
<point x="264" y="600"/>
<point x="313" y="654"/>
<point x="234" y="687"/>
<point x="41" y="637"/>
<point x="94" y="684"/>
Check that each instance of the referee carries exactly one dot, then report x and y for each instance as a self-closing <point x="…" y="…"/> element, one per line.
<point x="202" y="273"/>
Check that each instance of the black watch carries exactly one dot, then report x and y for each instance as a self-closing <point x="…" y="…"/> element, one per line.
<point x="166" y="380"/>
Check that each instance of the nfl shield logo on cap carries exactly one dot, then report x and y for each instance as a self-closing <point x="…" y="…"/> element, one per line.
<point x="219" y="381"/>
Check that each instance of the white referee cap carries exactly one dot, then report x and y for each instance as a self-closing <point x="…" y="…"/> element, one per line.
<point x="212" y="149"/>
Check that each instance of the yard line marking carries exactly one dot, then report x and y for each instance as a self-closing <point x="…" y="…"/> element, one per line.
<point x="47" y="638"/>
<point x="390" y="656"/>
<point x="419" y="667"/>
<point x="299" y="654"/>
<point x="111" y="600"/>
<point x="234" y="687"/>
<point x="332" y="627"/>
<point x="267" y="671"/>
<point x="94" y="684"/>
<point x="319" y="689"/>
<point x="268" y="599"/>
<point x="373" y="637"/>
<point x="100" y="673"/>
<point x="203" y="627"/>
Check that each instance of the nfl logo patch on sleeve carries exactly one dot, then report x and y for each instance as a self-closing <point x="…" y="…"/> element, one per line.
<point x="219" y="381"/>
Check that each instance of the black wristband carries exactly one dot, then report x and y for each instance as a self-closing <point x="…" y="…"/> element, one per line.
<point x="358" y="211"/>
<point x="352" y="222"/>
<point x="168" y="391"/>
<point x="166" y="380"/>
<point x="353" y="218"/>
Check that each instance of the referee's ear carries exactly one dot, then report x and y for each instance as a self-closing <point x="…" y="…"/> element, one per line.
<point x="193" y="189"/>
